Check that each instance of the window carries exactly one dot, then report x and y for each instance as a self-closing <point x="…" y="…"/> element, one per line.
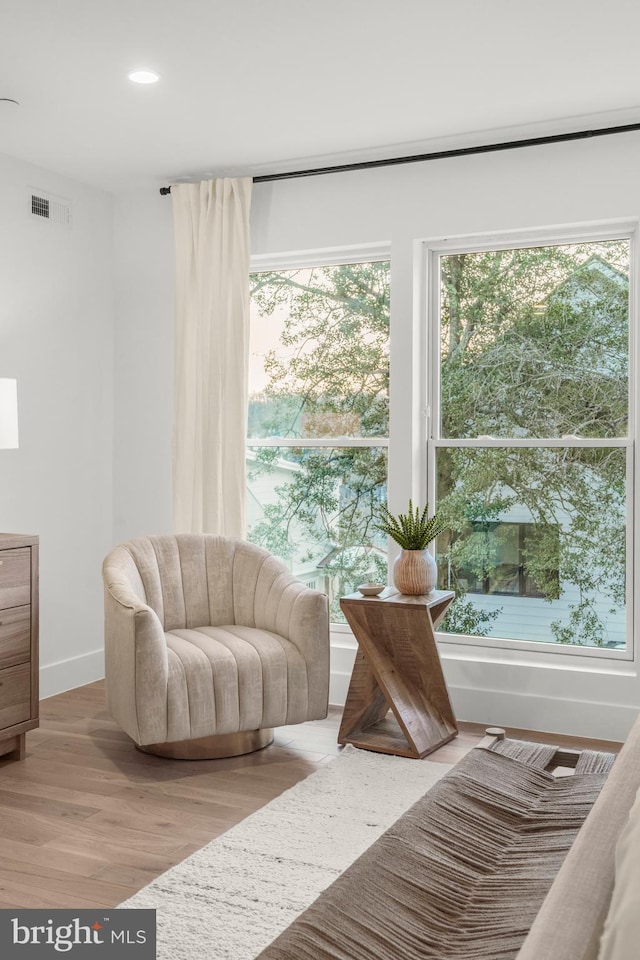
<point x="318" y="421"/>
<point x="530" y="454"/>
<point x="503" y="561"/>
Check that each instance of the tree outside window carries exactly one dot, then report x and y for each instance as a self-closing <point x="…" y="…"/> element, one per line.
<point x="318" y="421"/>
<point x="534" y="356"/>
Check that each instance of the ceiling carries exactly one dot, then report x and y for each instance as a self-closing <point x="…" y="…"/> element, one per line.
<point x="256" y="86"/>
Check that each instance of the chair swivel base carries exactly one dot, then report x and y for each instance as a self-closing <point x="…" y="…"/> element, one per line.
<point x="211" y="748"/>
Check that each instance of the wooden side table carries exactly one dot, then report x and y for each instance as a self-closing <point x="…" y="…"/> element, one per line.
<point x="397" y="667"/>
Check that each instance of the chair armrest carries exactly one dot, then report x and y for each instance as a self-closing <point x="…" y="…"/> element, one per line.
<point x="285" y="606"/>
<point x="136" y="659"/>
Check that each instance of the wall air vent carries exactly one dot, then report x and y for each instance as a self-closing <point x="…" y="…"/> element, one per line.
<point x="46" y="207"/>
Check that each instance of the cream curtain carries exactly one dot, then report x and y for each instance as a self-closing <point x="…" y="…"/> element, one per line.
<point x="211" y="223"/>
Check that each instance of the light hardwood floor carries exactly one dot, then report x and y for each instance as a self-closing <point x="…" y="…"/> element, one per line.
<point x="86" y="819"/>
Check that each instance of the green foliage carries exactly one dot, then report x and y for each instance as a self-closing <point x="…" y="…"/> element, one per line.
<point x="583" y="627"/>
<point x="466" y="618"/>
<point x="332" y="364"/>
<point x="412" y="530"/>
<point x="535" y="344"/>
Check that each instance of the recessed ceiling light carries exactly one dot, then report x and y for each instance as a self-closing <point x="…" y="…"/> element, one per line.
<point x="143" y="76"/>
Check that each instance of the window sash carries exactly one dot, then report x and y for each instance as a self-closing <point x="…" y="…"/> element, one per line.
<point x="555" y="649"/>
<point x="362" y="253"/>
<point x="513" y="442"/>
<point x="431" y="256"/>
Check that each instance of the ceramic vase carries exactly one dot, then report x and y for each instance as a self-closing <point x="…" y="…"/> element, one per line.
<point x="414" y="572"/>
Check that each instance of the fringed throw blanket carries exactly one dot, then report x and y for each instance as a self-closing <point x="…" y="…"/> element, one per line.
<point x="463" y="873"/>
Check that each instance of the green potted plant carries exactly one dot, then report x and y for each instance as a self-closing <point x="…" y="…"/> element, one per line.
<point x="414" y="569"/>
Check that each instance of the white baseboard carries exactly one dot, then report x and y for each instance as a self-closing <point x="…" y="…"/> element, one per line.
<point x="74" y="672"/>
<point x="502" y="708"/>
<point x="552" y="712"/>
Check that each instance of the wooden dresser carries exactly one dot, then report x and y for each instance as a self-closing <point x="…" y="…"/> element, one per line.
<point x="18" y="641"/>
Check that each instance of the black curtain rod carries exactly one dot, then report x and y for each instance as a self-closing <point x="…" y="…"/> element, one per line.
<point x="443" y="154"/>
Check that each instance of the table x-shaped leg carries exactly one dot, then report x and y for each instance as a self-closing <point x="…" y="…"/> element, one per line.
<point x="397" y="667"/>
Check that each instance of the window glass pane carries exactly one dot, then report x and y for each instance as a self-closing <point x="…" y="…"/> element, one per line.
<point x="534" y="342"/>
<point x="504" y="575"/>
<point x="315" y="509"/>
<point x="319" y="352"/>
<point x="536" y="546"/>
<point x="497" y="558"/>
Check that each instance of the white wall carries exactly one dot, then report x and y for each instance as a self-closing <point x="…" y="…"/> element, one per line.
<point x="56" y="330"/>
<point x="528" y="188"/>
<point x="143" y="247"/>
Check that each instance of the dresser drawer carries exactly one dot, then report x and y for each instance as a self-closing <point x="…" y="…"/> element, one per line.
<point x="15" y="578"/>
<point x="15" y="636"/>
<point x="15" y="694"/>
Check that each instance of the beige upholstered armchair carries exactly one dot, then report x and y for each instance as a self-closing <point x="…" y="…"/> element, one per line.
<point x="209" y="644"/>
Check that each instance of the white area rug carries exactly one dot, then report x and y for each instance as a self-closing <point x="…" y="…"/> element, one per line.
<point x="230" y="899"/>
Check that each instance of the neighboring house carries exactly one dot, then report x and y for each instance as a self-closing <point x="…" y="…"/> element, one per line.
<point x="524" y="614"/>
<point x="262" y="492"/>
<point x="315" y="562"/>
<point x="371" y="558"/>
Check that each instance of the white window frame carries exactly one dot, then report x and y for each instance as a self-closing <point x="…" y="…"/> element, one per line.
<point x="362" y="253"/>
<point x="430" y="252"/>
